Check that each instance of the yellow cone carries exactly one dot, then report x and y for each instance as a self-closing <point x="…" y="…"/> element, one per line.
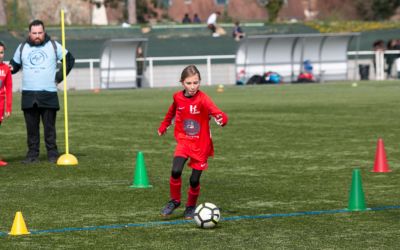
<point x="19" y="226"/>
<point x="220" y="88"/>
<point x="67" y="160"/>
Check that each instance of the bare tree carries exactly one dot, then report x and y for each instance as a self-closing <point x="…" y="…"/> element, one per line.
<point x="131" y="6"/>
<point x="3" y="17"/>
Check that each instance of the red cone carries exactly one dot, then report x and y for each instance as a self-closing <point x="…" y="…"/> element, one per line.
<point x="381" y="165"/>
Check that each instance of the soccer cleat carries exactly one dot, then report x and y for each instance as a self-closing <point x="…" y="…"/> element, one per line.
<point x="189" y="212"/>
<point x="3" y="163"/>
<point x="170" y="207"/>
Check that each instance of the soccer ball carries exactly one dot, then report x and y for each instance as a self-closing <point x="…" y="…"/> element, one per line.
<point x="207" y="215"/>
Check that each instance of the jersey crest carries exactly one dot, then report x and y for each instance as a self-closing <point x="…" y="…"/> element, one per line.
<point x="191" y="127"/>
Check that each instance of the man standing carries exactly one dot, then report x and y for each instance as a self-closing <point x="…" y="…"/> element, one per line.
<point x="38" y="57"/>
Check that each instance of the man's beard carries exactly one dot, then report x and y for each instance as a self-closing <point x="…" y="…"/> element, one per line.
<point x="37" y="41"/>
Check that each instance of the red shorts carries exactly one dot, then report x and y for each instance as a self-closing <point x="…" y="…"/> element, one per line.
<point x="184" y="151"/>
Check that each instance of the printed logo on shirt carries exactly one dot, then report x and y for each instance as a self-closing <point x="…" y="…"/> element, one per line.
<point x="2" y="72"/>
<point x="203" y="165"/>
<point x="181" y="108"/>
<point x="193" y="110"/>
<point x="36" y="57"/>
<point x="191" y="127"/>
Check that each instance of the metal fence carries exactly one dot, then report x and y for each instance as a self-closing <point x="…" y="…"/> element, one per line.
<point x="215" y="69"/>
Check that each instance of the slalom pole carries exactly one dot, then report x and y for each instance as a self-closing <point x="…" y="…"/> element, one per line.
<point x="66" y="159"/>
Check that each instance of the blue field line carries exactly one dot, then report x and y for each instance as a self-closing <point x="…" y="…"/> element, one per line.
<point x="180" y="222"/>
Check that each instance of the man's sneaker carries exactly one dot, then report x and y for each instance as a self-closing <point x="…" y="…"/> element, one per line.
<point x="53" y="159"/>
<point x="170" y="207"/>
<point x="52" y="156"/>
<point x="29" y="160"/>
<point x="189" y="212"/>
<point x="3" y="163"/>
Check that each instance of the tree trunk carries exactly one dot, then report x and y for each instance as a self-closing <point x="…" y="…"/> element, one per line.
<point x="3" y="17"/>
<point x="132" y="12"/>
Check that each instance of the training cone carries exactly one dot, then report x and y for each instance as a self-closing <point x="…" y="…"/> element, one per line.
<point x="356" y="200"/>
<point x="140" y="179"/>
<point x="380" y="165"/>
<point x="19" y="226"/>
<point x="67" y="160"/>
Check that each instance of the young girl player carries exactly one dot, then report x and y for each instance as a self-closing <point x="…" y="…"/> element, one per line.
<point x="191" y="109"/>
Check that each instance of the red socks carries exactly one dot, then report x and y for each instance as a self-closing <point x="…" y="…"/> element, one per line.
<point x="193" y="194"/>
<point x="175" y="191"/>
<point x="175" y="188"/>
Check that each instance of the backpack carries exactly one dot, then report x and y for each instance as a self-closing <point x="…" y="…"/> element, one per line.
<point x="272" y="77"/>
<point x="23" y="45"/>
<point x="305" y="77"/>
<point x="255" y="79"/>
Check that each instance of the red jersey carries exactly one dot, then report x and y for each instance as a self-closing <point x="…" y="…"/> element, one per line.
<point x="5" y="90"/>
<point x="192" y="128"/>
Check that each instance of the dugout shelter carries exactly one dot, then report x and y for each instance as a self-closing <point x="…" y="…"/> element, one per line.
<point x="122" y="63"/>
<point x="286" y="54"/>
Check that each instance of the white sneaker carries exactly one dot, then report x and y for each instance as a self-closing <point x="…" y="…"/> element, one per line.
<point x="215" y="35"/>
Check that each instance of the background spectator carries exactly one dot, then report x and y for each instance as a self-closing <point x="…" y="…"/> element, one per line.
<point x="186" y="19"/>
<point x="139" y="66"/>
<point x="392" y="44"/>
<point x="212" y="23"/>
<point x="196" y="18"/>
<point x="237" y="32"/>
<point x="397" y="60"/>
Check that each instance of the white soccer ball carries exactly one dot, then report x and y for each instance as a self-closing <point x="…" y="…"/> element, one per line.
<point x="207" y="215"/>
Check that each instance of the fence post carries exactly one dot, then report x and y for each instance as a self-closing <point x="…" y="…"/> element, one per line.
<point x="380" y="65"/>
<point x="91" y="74"/>
<point x="209" y="70"/>
<point x="151" y="72"/>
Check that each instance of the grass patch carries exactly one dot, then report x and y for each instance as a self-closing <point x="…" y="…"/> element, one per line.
<point x="287" y="148"/>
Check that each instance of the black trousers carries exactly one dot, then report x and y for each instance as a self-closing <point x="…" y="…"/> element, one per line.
<point x="32" y="121"/>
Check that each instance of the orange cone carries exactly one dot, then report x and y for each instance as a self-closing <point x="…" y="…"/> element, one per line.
<point x="381" y="165"/>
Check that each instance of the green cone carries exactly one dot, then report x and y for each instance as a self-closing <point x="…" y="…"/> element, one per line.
<point x="356" y="200"/>
<point x="140" y="179"/>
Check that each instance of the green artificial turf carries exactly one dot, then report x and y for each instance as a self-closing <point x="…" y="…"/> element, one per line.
<point x="286" y="149"/>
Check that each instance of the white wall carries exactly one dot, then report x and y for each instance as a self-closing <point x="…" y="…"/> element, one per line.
<point x="164" y="76"/>
<point x="168" y="76"/>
